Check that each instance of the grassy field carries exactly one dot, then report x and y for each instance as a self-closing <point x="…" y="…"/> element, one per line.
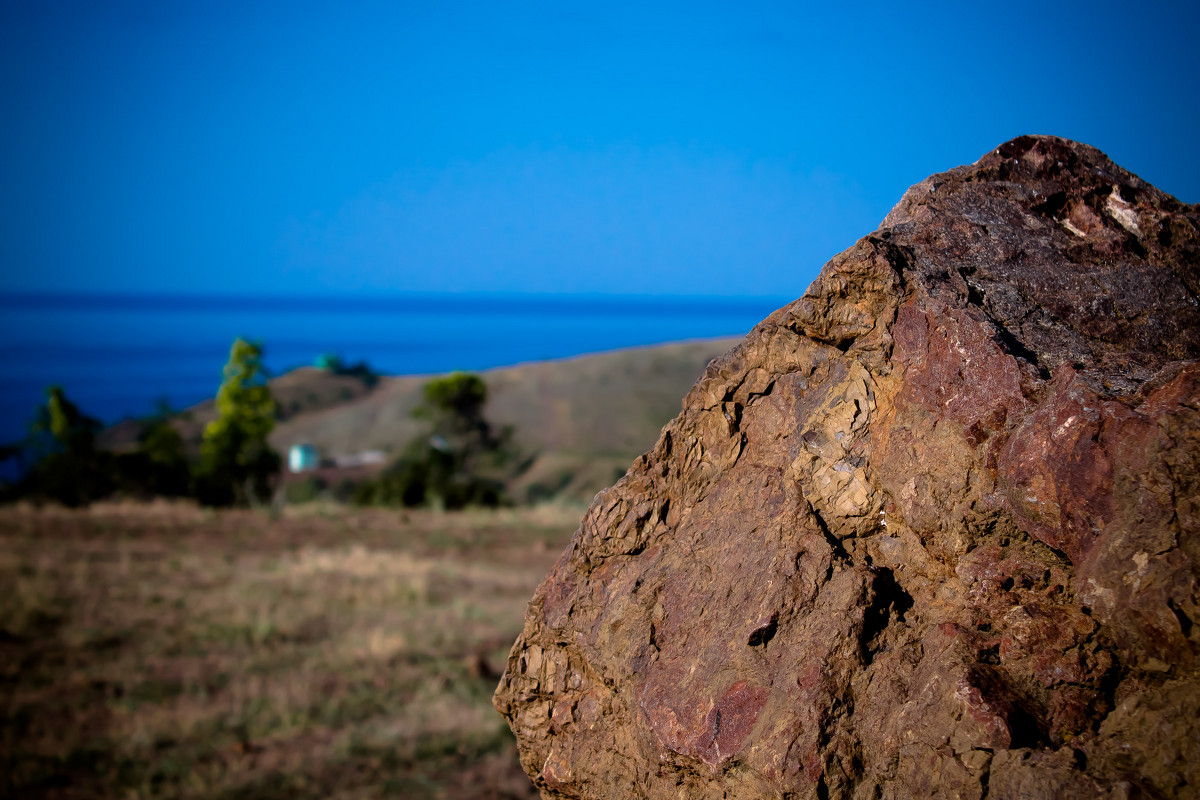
<point x="164" y="650"/>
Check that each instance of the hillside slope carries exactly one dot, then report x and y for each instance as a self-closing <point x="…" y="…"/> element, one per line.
<point x="582" y="420"/>
<point x="585" y="418"/>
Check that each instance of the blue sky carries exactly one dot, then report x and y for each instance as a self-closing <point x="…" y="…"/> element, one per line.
<point x="628" y="148"/>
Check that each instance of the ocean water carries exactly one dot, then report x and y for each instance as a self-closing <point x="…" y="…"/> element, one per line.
<point x="119" y="356"/>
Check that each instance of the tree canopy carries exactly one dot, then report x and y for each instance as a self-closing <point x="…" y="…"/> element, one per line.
<point x="461" y="461"/>
<point x="67" y="467"/>
<point x="454" y="405"/>
<point x="68" y="428"/>
<point x="236" y="462"/>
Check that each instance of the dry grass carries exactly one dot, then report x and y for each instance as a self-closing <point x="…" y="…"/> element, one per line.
<point x="164" y="650"/>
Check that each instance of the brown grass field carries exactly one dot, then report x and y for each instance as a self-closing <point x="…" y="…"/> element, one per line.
<point x="162" y="650"/>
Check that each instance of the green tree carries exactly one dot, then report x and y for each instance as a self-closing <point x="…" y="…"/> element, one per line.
<point x="454" y="407"/>
<point x="67" y="427"/>
<point x="461" y="461"/>
<point x="158" y="467"/>
<point x="236" y="462"/>
<point x="68" y="468"/>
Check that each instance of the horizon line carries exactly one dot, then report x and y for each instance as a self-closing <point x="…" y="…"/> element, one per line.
<point x="496" y="302"/>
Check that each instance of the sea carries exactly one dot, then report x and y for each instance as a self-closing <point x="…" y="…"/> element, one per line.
<point x="119" y="356"/>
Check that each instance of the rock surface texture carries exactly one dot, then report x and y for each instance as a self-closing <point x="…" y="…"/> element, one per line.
<point x="932" y="530"/>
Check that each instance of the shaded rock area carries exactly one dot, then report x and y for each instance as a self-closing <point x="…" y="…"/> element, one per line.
<point x="932" y="530"/>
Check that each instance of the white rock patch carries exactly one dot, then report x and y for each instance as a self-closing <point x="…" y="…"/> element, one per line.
<point x="1120" y="210"/>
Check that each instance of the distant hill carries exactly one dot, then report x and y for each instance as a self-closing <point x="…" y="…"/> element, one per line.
<point x="300" y="392"/>
<point x="584" y="419"/>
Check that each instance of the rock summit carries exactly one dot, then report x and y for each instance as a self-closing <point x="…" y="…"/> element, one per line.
<point x="931" y="530"/>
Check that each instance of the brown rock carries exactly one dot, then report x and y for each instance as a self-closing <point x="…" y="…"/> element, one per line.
<point x="932" y="530"/>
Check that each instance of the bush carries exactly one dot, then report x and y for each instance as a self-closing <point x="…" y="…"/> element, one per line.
<point x="461" y="461"/>
<point x="158" y="468"/>
<point x="67" y="467"/>
<point x="427" y="475"/>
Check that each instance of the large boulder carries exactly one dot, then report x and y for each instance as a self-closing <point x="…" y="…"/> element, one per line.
<point x="932" y="530"/>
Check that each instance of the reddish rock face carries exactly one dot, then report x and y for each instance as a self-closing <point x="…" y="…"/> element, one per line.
<point x="932" y="530"/>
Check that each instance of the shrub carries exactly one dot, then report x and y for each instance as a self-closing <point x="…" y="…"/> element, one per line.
<point x="460" y="462"/>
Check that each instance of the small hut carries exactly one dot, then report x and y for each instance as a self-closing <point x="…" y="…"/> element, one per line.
<point x="302" y="458"/>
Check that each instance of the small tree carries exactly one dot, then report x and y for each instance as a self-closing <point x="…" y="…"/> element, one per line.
<point x="236" y="462"/>
<point x="158" y="467"/>
<point x="68" y="467"/>
<point x="68" y="427"/>
<point x="460" y="462"/>
<point x="454" y="407"/>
